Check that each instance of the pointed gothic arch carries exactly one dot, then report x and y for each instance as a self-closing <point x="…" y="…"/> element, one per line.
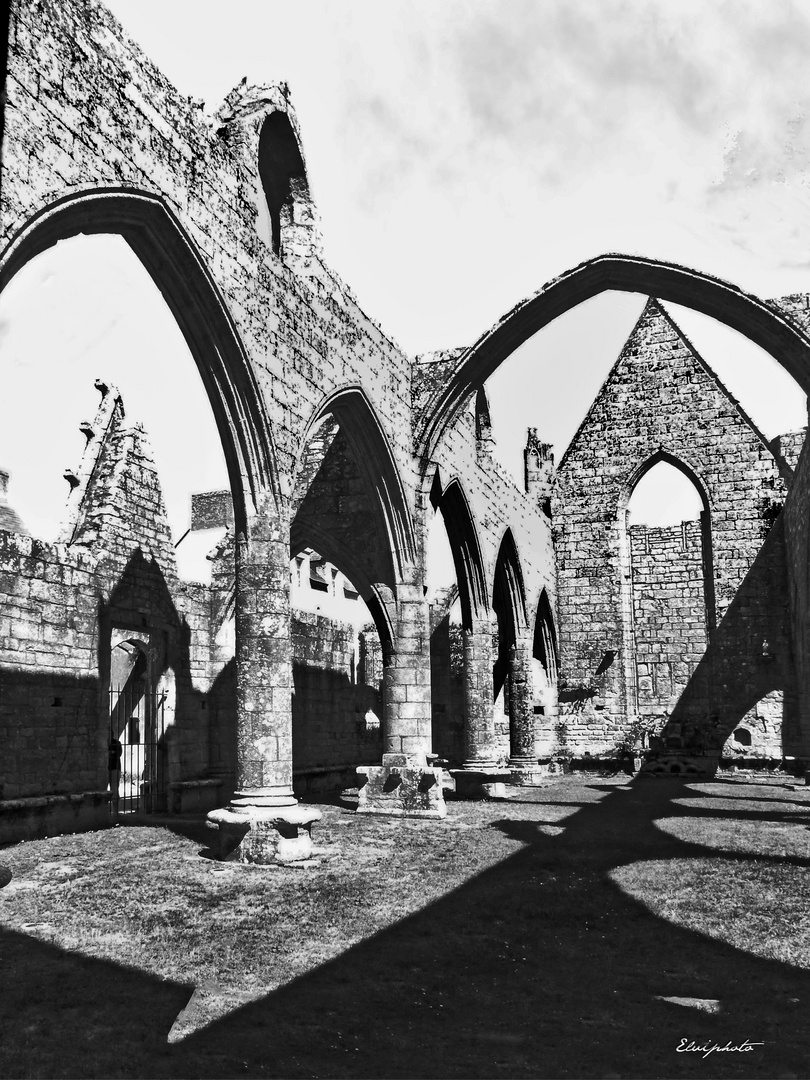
<point x="509" y="604"/>
<point x="545" y="639"/>
<point x="756" y="319"/>
<point x="461" y="532"/>
<point x="177" y="268"/>
<point x="628" y="577"/>
<point x="364" y="434"/>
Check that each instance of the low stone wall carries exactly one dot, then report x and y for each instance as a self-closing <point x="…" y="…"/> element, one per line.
<point x="53" y="815"/>
<point x="195" y="796"/>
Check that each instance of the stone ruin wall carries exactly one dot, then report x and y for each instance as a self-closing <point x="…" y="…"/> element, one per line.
<point x="49" y="696"/>
<point x="337" y="698"/>
<point x="661" y="399"/>
<point x="669" y="613"/>
<point x="87" y="109"/>
<point x="496" y="504"/>
<point x="60" y="602"/>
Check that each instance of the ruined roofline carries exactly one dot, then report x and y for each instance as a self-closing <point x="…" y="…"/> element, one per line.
<point x="110" y="414"/>
<point x="603" y="385"/>
<point x="429" y="372"/>
<point x="196" y="114"/>
<point x="711" y="372"/>
<point x="764" y="323"/>
<point x="654" y="307"/>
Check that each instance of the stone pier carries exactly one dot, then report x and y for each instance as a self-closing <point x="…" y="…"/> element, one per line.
<point x="264" y="822"/>
<point x="479" y="776"/>
<point x="523" y="740"/>
<point x="405" y="784"/>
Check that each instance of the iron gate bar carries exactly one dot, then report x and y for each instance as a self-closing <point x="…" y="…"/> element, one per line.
<point x="139" y="717"/>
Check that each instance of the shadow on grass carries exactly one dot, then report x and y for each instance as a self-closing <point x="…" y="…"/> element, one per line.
<point x="64" y="1014"/>
<point x="190" y="826"/>
<point x="539" y="967"/>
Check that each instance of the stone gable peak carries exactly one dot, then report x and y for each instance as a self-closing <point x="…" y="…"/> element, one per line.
<point x="659" y="370"/>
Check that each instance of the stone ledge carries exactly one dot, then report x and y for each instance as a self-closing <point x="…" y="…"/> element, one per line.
<point x="194" y="796"/>
<point x="195" y="784"/>
<point x="51" y="815"/>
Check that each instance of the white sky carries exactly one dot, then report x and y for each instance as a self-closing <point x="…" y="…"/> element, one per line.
<point x="461" y="154"/>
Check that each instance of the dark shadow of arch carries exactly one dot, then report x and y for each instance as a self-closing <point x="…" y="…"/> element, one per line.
<point x="359" y="424"/>
<point x="469" y="566"/>
<point x="509" y="604"/>
<point x="735" y="673"/>
<point x="308" y="534"/>
<point x="173" y="261"/>
<point x="760" y="322"/>
<point x="545" y="639"/>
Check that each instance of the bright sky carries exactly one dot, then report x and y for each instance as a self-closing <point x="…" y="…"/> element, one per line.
<point x="461" y="154"/>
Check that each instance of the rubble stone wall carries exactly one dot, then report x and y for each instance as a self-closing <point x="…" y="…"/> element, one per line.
<point x="669" y="613"/>
<point x="336" y="706"/>
<point x="88" y="110"/>
<point x="659" y="402"/>
<point x="49" y="686"/>
<point x="797" y="544"/>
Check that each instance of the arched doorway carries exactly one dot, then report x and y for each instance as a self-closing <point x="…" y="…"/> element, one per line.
<point x="141" y="695"/>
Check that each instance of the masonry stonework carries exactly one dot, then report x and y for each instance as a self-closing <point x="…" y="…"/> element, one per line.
<point x="639" y="607"/>
<point x="573" y="630"/>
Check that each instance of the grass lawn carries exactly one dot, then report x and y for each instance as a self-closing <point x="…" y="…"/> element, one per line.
<point x="592" y="928"/>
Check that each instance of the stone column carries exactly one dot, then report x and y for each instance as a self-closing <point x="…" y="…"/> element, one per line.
<point x="406" y="680"/>
<point x="479" y="698"/>
<point x="479" y="777"/>
<point x="405" y="784"/>
<point x="523" y="749"/>
<point x="264" y="822"/>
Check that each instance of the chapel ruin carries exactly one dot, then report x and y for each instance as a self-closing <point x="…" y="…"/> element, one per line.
<point x="571" y="635"/>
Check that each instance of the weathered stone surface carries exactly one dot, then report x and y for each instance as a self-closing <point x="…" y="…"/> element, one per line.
<point x="638" y="607"/>
<point x="401" y="791"/>
<point x="481" y="783"/>
<point x="338" y="442"/>
<point x="264" y="836"/>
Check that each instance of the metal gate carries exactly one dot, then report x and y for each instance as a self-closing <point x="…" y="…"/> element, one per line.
<point x="136" y="723"/>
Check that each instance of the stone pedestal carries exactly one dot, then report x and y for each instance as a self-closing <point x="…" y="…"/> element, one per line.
<point x="263" y="835"/>
<point x="481" y="783"/>
<point x="401" y="788"/>
<point x="529" y="773"/>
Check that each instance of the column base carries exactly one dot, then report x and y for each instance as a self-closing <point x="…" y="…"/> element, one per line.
<point x="263" y="835"/>
<point x="478" y="783"/>
<point x="401" y="790"/>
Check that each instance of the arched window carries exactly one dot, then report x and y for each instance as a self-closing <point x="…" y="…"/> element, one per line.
<point x="667" y="581"/>
<point x="283" y="176"/>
